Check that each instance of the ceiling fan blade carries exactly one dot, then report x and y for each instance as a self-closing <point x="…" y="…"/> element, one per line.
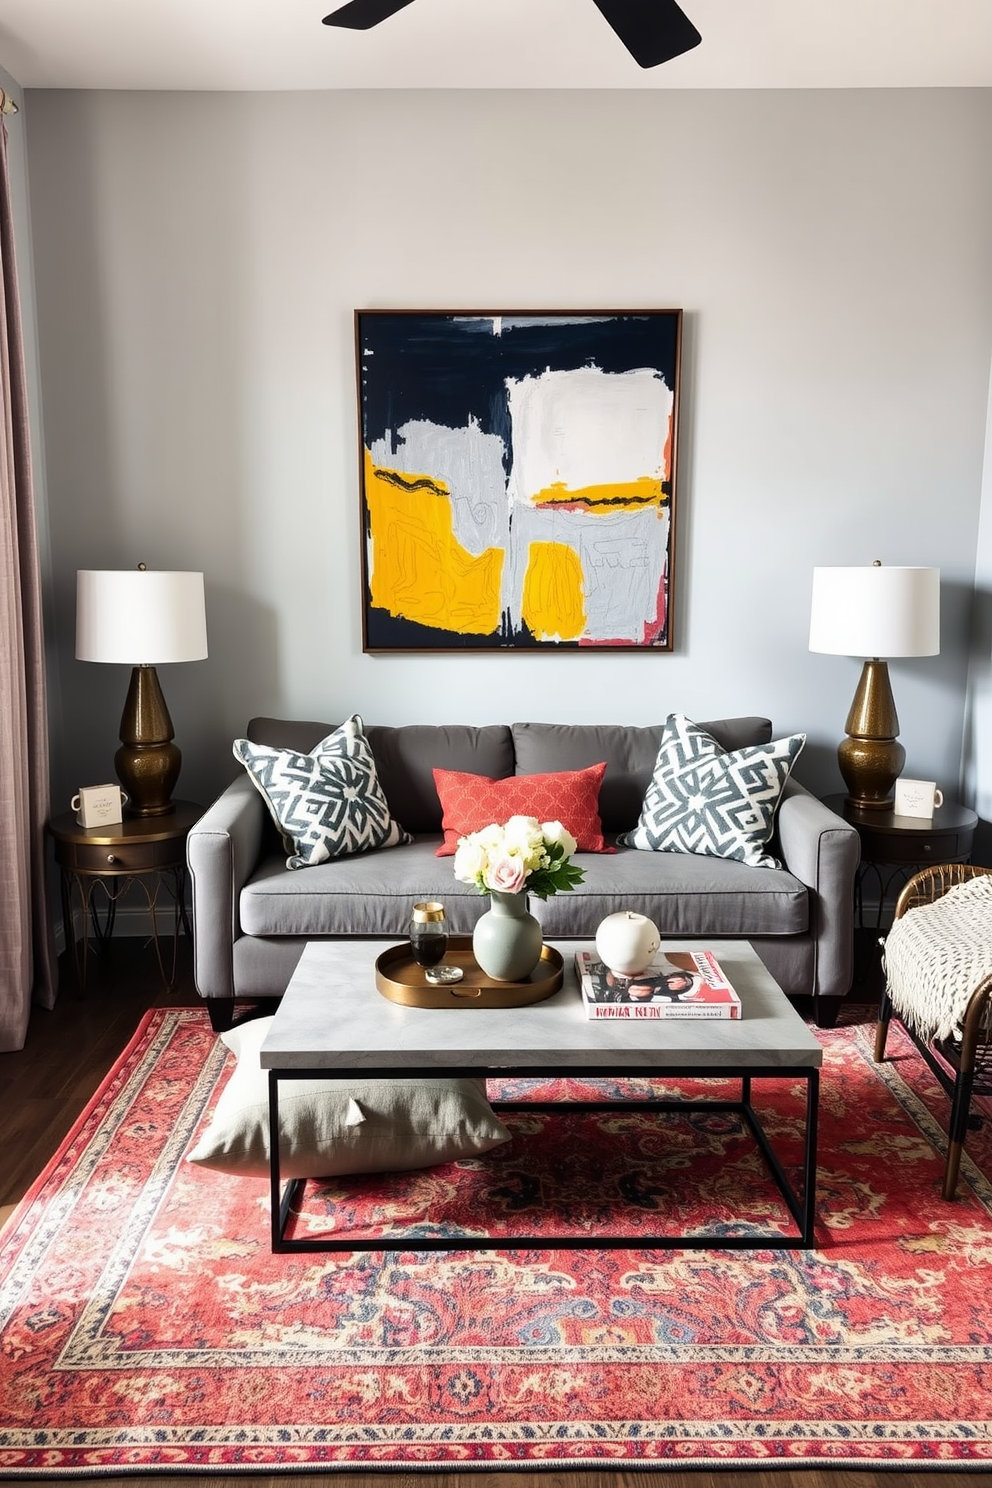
<point x="653" y="31"/>
<point x="362" y="15"/>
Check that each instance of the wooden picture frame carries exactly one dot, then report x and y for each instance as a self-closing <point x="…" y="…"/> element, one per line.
<point x="518" y="479"/>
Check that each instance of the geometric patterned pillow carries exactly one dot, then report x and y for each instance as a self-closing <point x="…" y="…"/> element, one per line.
<point x="328" y="803"/>
<point x="707" y="800"/>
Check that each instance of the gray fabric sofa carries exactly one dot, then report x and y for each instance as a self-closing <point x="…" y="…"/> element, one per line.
<point x="252" y="916"/>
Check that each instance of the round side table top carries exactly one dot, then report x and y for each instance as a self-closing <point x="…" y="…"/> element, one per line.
<point x="132" y="829"/>
<point x="946" y="819"/>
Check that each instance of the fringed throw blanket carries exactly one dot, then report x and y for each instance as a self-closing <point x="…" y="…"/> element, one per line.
<point x="936" y="955"/>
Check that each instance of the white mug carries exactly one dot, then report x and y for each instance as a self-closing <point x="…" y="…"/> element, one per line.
<point x="99" y="805"/>
<point x="917" y="798"/>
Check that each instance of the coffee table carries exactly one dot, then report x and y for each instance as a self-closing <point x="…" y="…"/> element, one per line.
<point x="333" y="1023"/>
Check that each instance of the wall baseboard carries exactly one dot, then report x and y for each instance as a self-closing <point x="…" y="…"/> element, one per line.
<point x="130" y="920"/>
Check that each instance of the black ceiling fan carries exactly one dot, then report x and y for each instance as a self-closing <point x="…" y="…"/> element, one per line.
<point x="653" y="31"/>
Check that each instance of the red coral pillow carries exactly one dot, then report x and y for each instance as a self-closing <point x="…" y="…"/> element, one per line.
<point x="471" y="802"/>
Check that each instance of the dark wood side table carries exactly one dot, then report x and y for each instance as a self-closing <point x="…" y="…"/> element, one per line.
<point x="99" y="865"/>
<point x="893" y="848"/>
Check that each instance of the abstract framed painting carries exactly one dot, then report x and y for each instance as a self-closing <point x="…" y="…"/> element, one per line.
<point x="518" y="479"/>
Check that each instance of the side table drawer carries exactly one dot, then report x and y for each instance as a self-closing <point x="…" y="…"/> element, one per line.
<point x="884" y="847"/>
<point x="119" y="857"/>
<point x="945" y="850"/>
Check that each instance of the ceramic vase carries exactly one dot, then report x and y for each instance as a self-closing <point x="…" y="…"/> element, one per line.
<point x="507" y="941"/>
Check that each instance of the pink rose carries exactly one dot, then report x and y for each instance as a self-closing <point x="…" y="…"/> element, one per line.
<point x="507" y="875"/>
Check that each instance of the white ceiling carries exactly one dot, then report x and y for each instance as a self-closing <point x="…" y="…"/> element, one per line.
<point x="280" y="44"/>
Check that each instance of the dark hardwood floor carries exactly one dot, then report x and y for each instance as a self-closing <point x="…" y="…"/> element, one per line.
<point x="44" y="1087"/>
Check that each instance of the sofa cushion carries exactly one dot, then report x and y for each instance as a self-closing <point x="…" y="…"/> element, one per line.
<point x="373" y="894"/>
<point x="326" y="803"/>
<point x="629" y="752"/>
<point x="706" y="800"/>
<point x="471" y="802"/>
<point x="694" y="896"/>
<point x="299" y="734"/>
<point x="331" y="1127"/>
<point x="407" y="757"/>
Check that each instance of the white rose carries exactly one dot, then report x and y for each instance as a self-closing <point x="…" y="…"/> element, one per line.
<point x="470" y="860"/>
<point x="554" y="832"/>
<point x="523" y="838"/>
<point x="523" y="834"/>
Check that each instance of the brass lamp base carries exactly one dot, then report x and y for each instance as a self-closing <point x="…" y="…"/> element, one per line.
<point x="147" y="762"/>
<point x="871" y="757"/>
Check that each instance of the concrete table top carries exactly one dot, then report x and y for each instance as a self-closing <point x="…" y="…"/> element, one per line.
<point x="333" y="1017"/>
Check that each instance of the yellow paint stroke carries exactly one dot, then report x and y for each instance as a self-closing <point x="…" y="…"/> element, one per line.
<point x="419" y="570"/>
<point x="635" y="495"/>
<point x="553" y="600"/>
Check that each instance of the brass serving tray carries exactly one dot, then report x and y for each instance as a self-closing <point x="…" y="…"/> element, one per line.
<point x="398" y="977"/>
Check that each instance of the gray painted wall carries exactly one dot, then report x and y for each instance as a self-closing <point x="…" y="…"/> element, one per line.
<point x="198" y="258"/>
<point x="977" y="790"/>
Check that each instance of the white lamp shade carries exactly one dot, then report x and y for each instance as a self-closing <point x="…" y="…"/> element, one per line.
<point x="875" y="612"/>
<point x="140" y="618"/>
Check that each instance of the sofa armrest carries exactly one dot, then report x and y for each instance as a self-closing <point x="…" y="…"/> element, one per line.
<point x="222" y="851"/>
<point x="822" y="850"/>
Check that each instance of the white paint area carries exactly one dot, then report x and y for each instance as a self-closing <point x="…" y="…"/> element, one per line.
<point x="586" y="427"/>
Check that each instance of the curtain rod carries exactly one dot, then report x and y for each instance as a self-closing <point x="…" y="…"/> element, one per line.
<point x="7" y="104"/>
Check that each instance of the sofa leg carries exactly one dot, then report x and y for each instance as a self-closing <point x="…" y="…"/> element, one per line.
<point x="221" y="1010"/>
<point x="227" y="1012"/>
<point x="826" y="1011"/>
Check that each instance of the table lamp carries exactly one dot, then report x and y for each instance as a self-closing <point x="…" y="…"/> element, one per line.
<point x="874" y="612"/>
<point x="142" y="619"/>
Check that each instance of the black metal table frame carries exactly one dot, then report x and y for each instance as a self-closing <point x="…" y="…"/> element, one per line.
<point x="83" y="885"/>
<point x="872" y="868"/>
<point x="801" y="1206"/>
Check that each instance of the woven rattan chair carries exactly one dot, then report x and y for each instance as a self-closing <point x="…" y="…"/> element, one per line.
<point x="970" y="1058"/>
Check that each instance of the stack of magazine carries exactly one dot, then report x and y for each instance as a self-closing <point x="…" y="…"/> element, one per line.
<point x="677" y="984"/>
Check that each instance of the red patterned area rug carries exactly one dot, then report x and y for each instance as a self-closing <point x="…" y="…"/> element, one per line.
<point x="146" y="1327"/>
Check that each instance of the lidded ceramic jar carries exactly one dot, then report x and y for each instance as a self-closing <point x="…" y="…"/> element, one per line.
<point x="626" y="942"/>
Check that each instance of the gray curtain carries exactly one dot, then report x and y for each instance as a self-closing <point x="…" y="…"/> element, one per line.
<point x="26" y="960"/>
